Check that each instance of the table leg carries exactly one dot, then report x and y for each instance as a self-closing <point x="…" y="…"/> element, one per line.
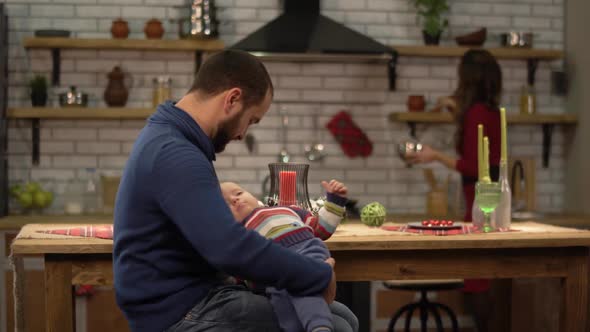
<point x="58" y="294"/>
<point x="574" y="313"/>
<point x="501" y="300"/>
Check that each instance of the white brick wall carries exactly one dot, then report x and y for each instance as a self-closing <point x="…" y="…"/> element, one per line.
<point x="68" y="147"/>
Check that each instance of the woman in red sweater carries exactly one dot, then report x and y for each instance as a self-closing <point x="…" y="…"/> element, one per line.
<point x="476" y="101"/>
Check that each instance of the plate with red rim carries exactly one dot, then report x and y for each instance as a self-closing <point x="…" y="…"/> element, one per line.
<point x="435" y="226"/>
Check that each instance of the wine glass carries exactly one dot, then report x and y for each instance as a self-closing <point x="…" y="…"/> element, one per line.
<point x="487" y="196"/>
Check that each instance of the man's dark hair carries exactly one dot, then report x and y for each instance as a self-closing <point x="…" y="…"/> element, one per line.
<point x="234" y="69"/>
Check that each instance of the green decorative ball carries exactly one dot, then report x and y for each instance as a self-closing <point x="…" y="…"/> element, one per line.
<point x="373" y="214"/>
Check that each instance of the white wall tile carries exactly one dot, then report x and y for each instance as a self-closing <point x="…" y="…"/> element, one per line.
<point x="74" y="161"/>
<point x="98" y="11"/>
<point x="52" y="10"/>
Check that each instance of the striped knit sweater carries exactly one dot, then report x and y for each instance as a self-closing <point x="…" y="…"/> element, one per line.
<point x="290" y="224"/>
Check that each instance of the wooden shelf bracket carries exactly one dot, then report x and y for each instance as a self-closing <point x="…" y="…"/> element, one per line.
<point x="532" y="65"/>
<point x="36" y="138"/>
<point x="547" y="133"/>
<point x="198" y="61"/>
<point x="56" y="66"/>
<point x="392" y="71"/>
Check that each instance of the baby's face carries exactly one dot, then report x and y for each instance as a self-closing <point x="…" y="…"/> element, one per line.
<point x="239" y="201"/>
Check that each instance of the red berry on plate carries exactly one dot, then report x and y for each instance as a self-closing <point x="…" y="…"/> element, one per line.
<point x="436" y="222"/>
<point x="450" y="223"/>
<point x="443" y="222"/>
<point x="424" y="222"/>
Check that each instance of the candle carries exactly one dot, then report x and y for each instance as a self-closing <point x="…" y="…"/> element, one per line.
<point x="479" y="152"/>
<point x="287" y="188"/>
<point x="486" y="160"/>
<point x="504" y="142"/>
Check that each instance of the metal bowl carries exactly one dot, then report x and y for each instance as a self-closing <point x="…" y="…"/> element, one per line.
<point x="408" y="146"/>
<point x="73" y="98"/>
<point x="517" y="39"/>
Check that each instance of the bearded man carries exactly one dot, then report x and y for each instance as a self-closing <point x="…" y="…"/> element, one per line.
<point x="174" y="233"/>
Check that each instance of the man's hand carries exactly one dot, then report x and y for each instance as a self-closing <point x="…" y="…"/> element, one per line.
<point x="335" y="187"/>
<point x="330" y="291"/>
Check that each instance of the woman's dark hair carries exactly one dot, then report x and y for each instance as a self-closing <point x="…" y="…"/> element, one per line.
<point x="480" y="81"/>
<point x="234" y="69"/>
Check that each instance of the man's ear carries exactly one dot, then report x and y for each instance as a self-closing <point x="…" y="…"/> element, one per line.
<point x="232" y="99"/>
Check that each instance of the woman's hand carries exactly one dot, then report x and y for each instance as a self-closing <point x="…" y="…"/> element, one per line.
<point x="426" y="155"/>
<point x="448" y="102"/>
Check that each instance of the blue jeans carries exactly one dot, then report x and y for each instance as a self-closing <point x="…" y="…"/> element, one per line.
<point x="235" y="308"/>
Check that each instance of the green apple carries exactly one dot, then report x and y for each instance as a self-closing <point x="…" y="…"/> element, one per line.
<point x="32" y="187"/>
<point x="25" y="199"/>
<point x="48" y="198"/>
<point x="39" y="199"/>
<point x="15" y="190"/>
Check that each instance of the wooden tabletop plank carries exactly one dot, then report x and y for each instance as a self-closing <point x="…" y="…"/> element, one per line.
<point x="111" y="113"/>
<point x="16" y="222"/>
<point x="498" y="52"/>
<point x="349" y="237"/>
<point x="445" y="117"/>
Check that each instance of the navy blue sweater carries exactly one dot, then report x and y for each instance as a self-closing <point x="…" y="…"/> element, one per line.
<point x="174" y="232"/>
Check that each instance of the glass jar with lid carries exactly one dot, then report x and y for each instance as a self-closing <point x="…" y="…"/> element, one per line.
<point x="162" y="90"/>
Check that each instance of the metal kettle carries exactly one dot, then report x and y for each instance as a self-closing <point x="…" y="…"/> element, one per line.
<point x="202" y="22"/>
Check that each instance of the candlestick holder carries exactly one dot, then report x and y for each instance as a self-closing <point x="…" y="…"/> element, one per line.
<point x="288" y="185"/>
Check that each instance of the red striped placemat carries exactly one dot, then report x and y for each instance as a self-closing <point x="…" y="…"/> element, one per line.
<point x="97" y="231"/>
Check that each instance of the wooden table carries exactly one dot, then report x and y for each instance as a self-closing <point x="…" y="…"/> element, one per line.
<point x="361" y="254"/>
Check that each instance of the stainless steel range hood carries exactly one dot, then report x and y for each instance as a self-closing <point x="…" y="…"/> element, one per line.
<point x="301" y="33"/>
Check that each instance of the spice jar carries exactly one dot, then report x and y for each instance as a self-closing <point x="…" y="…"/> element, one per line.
<point x="528" y="100"/>
<point x="161" y="90"/>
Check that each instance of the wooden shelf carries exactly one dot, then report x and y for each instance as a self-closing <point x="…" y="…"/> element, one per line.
<point x="124" y="44"/>
<point x="56" y="44"/>
<point x="429" y="117"/>
<point x="498" y="52"/>
<point x="71" y="113"/>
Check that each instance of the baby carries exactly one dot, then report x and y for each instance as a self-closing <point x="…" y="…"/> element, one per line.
<point x="301" y="231"/>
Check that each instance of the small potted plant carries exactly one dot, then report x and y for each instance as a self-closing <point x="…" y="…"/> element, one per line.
<point x="38" y="85"/>
<point x="430" y="13"/>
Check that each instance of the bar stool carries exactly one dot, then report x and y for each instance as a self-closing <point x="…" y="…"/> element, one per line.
<point x="425" y="306"/>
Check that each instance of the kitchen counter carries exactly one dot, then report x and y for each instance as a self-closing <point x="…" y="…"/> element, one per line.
<point x="18" y="221"/>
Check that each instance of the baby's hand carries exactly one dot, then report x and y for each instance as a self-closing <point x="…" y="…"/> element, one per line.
<point x="335" y="187"/>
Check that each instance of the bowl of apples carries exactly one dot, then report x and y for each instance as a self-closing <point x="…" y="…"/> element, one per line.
<point x="31" y="197"/>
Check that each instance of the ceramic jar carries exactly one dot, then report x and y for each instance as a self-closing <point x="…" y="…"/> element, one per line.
<point x="416" y="103"/>
<point x="153" y="29"/>
<point x="120" y="29"/>
<point x="116" y="93"/>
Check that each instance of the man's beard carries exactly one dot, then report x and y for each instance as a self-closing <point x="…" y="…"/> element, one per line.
<point x="225" y="133"/>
